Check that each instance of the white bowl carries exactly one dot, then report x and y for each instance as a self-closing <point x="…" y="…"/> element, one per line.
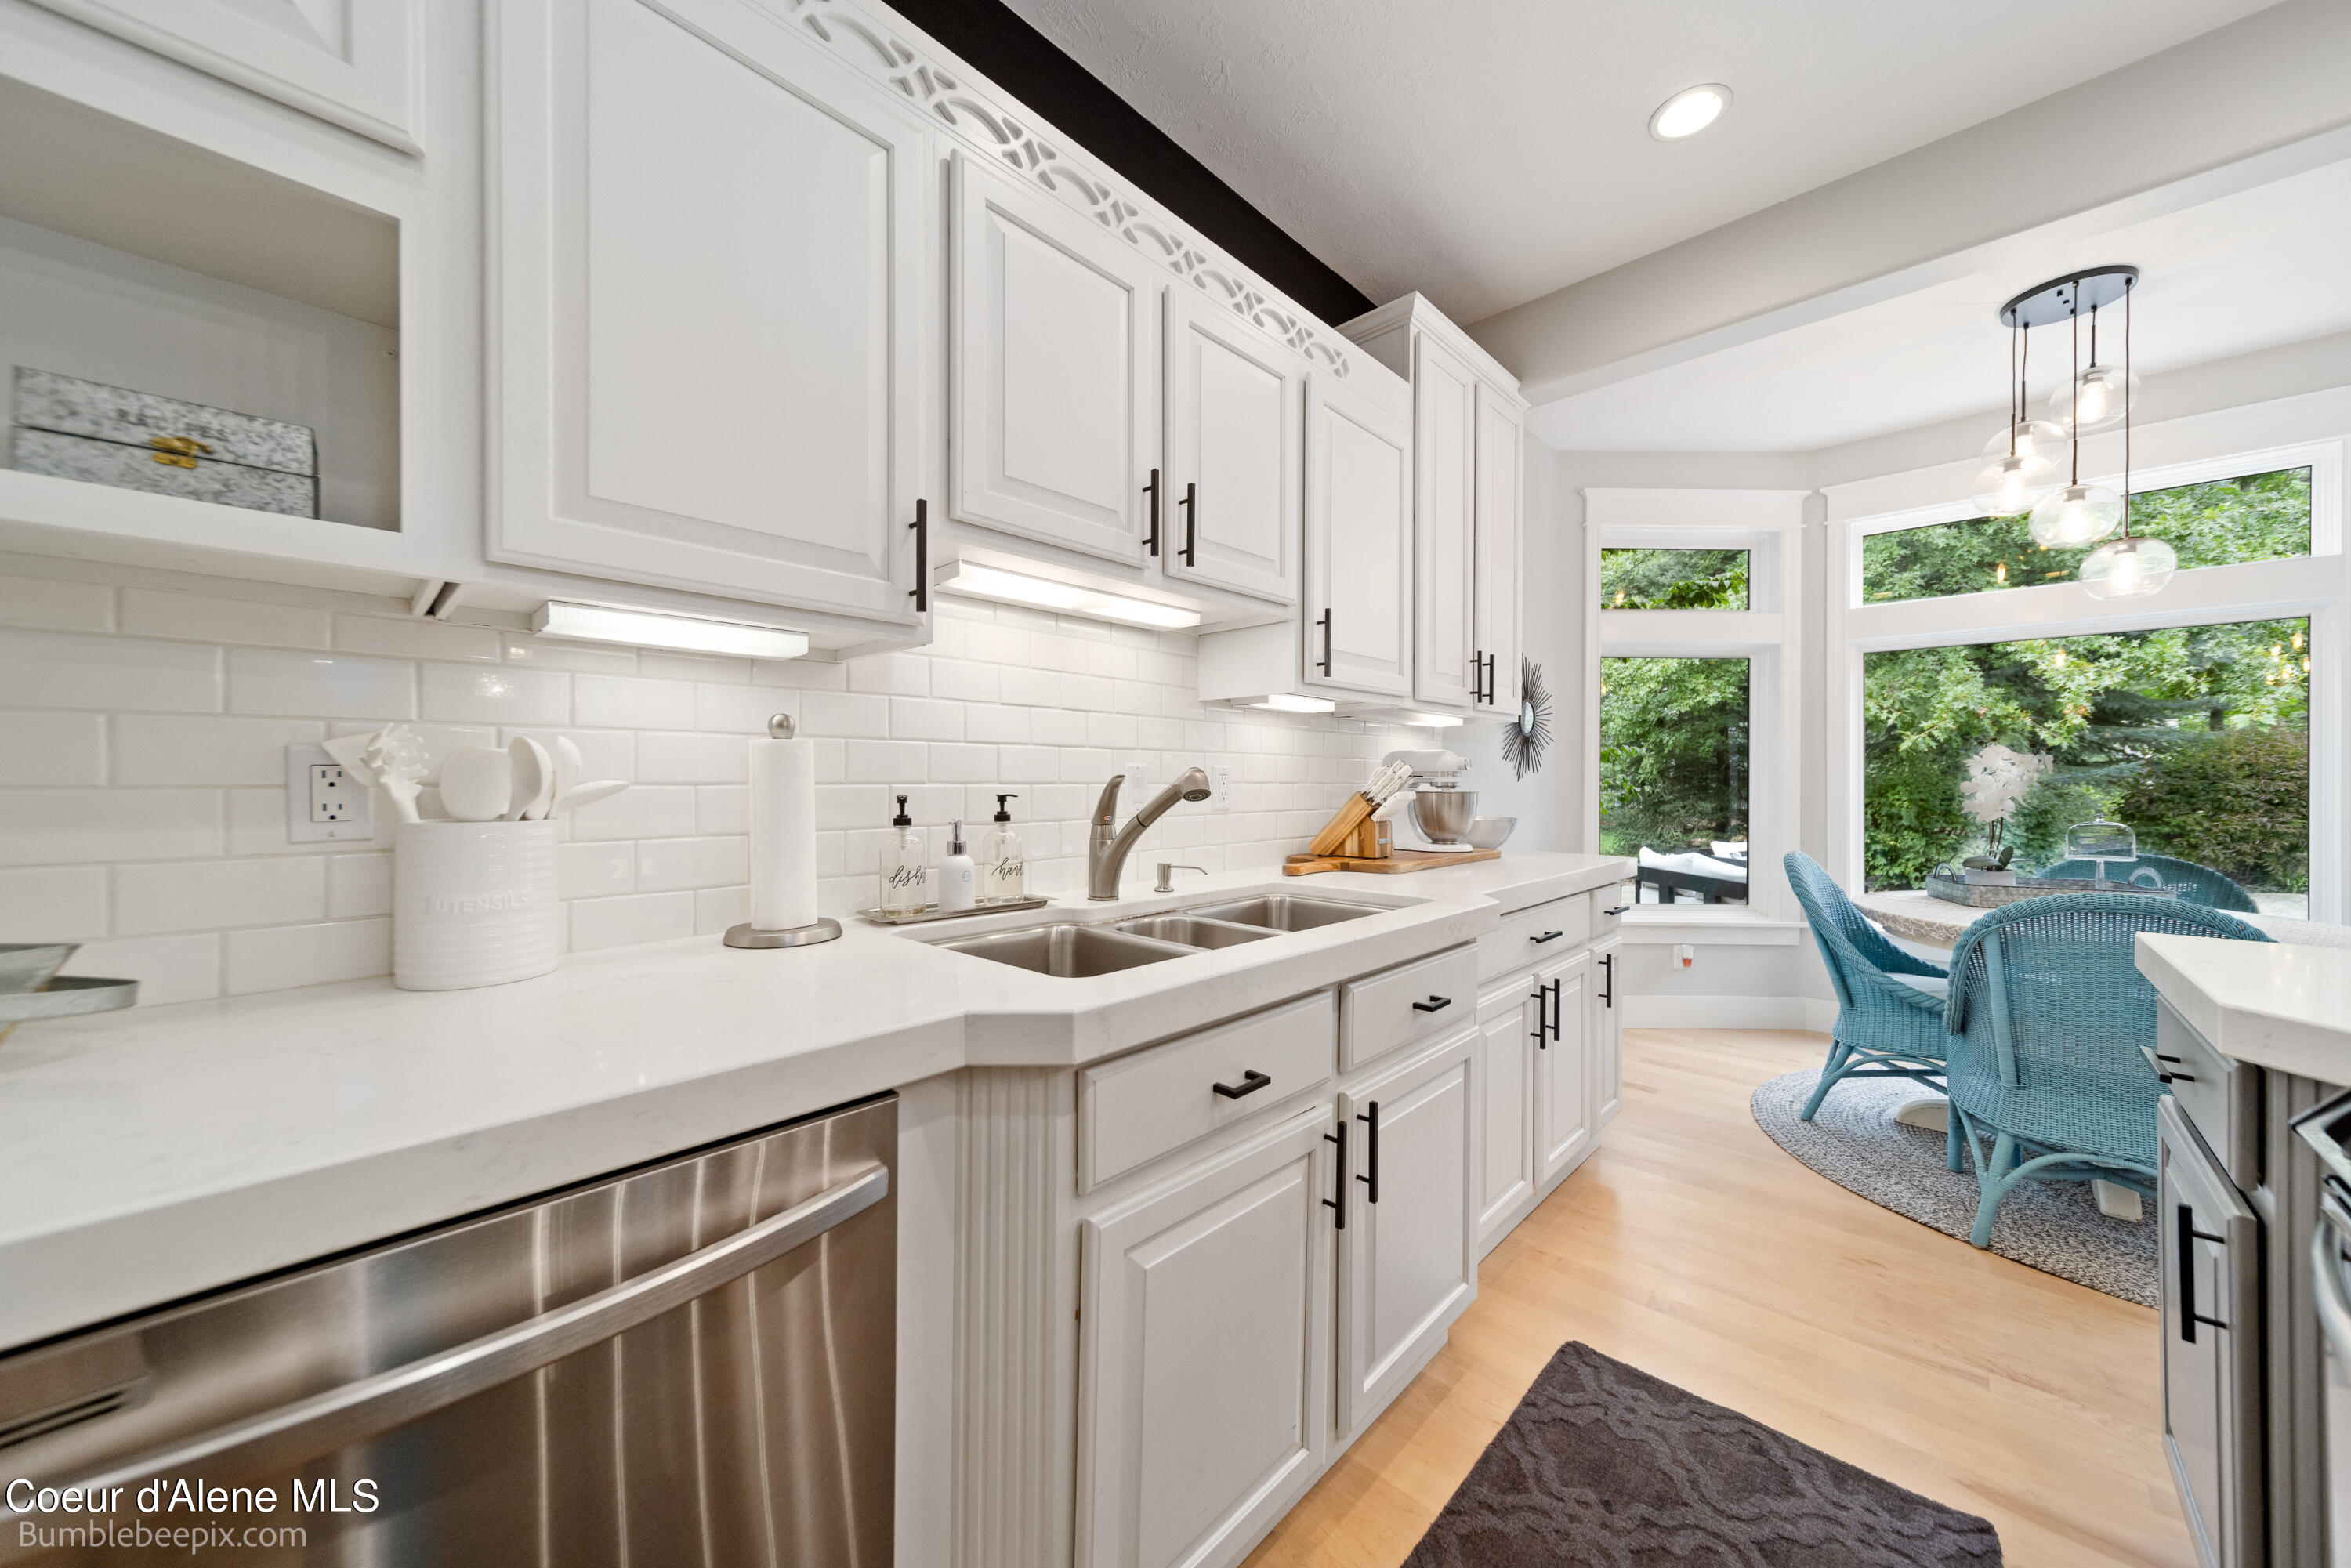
<point x="1490" y="832"/>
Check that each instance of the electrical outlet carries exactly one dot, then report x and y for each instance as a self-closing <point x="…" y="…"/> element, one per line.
<point x="1685" y="954"/>
<point x="1138" y="779"/>
<point x="324" y="803"/>
<point x="1220" y="787"/>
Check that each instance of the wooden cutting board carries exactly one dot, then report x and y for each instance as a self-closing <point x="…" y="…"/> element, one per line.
<point x="1400" y="861"/>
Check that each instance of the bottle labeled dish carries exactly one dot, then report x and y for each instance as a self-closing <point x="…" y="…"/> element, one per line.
<point x="1003" y="864"/>
<point x="902" y="866"/>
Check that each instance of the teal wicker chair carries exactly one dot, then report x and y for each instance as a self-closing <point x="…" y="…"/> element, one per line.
<point x="2197" y="883"/>
<point x="2047" y="1015"/>
<point x="1884" y="1027"/>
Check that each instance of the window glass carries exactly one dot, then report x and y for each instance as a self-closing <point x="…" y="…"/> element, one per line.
<point x="1672" y="774"/>
<point x="1672" y="579"/>
<point x="2196" y="738"/>
<point x="2262" y="517"/>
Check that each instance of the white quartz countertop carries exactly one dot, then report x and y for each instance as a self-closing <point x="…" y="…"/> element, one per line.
<point x="2268" y="1003"/>
<point x="150" y="1155"/>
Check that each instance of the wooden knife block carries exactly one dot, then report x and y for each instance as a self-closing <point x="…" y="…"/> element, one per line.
<point x="1371" y="840"/>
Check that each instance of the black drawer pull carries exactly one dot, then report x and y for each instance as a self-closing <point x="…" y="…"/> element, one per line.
<point x="1191" y="505"/>
<point x="1548" y="936"/>
<point x="1372" y="1157"/>
<point x="2155" y="1060"/>
<point x="1151" y="541"/>
<point x="920" y="593"/>
<point x="1252" y="1081"/>
<point x="1435" y="1004"/>
<point x="1558" y="1005"/>
<point x="1618" y="910"/>
<point x="1608" y="967"/>
<point x="1325" y="624"/>
<point x="1339" y="1203"/>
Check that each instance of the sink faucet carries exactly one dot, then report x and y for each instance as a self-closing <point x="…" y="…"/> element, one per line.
<point x="1108" y="845"/>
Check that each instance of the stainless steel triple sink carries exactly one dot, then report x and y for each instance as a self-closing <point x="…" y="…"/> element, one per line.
<point x="1073" y="950"/>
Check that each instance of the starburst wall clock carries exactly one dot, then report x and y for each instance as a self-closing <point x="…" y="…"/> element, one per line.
<point x="1526" y="738"/>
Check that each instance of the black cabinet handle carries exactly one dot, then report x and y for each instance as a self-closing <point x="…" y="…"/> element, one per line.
<point x="1435" y="1004"/>
<point x="1608" y="967"/>
<point x="1325" y="624"/>
<point x="1476" y="675"/>
<point x="920" y="593"/>
<point x="1340" y="1202"/>
<point x="1373" y="1155"/>
<point x="1558" y="1007"/>
<point x="2188" y="1236"/>
<point x="1151" y="541"/>
<point x="1252" y="1081"/>
<point x="1542" y="1017"/>
<point x="1547" y="937"/>
<point x="1191" y="505"/>
<point x="1490" y="698"/>
<point x="2155" y="1061"/>
<point x="1618" y="910"/>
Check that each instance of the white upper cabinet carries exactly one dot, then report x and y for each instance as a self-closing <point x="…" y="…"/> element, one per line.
<point x="1053" y="396"/>
<point x="1500" y="538"/>
<point x="1444" y="448"/>
<point x="1236" y="402"/>
<point x="1357" y="607"/>
<point x="713" y="247"/>
<point x="357" y="63"/>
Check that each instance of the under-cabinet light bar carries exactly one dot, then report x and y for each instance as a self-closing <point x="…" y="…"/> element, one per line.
<point x="644" y="629"/>
<point x="1283" y="702"/>
<point x="973" y="580"/>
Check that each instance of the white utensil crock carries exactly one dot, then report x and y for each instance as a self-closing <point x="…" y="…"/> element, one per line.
<point x="472" y="903"/>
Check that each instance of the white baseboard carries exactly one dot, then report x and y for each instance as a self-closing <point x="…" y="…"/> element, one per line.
<point x="1729" y="1012"/>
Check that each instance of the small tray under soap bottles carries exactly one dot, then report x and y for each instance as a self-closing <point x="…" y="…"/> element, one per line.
<point x="932" y="912"/>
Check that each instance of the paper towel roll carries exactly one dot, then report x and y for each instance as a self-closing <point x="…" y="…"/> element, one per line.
<point x="783" y="835"/>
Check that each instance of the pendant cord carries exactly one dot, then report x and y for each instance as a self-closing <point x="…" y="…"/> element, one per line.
<point x="2075" y="435"/>
<point x="2013" y="384"/>
<point x="2127" y="400"/>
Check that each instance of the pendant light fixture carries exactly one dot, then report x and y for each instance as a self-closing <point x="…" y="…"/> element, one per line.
<point x="2023" y="468"/>
<point x="2129" y="566"/>
<point x="2100" y="395"/>
<point x="2071" y="514"/>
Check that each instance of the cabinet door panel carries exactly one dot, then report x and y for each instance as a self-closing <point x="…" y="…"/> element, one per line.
<point x="2209" y="1243"/>
<point x="1358" y="602"/>
<point x="1505" y="1090"/>
<point x="1444" y="446"/>
<point x="1563" y="1124"/>
<point x="1234" y="416"/>
<point x="1205" y="1355"/>
<point x="711" y="336"/>
<point x="1053" y="398"/>
<point x="1501" y="540"/>
<point x="1606" y="1037"/>
<point x="1407" y="1263"/>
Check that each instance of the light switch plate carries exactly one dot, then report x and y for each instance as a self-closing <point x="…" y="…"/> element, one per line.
<point x="323" y="803"/>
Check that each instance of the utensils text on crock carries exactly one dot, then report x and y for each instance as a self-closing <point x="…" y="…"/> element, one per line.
<point x="478" y="784"/>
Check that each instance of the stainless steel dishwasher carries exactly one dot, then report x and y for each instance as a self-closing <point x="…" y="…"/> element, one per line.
<point x="688" y="1362"/>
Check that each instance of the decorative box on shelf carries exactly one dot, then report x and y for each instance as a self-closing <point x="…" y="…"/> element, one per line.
<point x="73" y="429"/>
<point x="1987" y="895"/>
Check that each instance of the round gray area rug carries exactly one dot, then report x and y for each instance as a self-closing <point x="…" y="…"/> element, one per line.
<point x="2055" y="1227"/>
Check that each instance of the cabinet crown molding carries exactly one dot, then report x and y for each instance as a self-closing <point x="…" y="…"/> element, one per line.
<point x="1415" y="312"/>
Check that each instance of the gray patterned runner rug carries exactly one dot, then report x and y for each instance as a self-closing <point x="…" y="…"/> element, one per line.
<point x="2052" y="1226"/>
<point x="1605" y="1466"/>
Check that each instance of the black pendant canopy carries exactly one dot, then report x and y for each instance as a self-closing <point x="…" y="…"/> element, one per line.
<point x="2072" y="295"/>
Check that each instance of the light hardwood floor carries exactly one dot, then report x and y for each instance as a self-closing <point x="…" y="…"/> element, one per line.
<point x="1691" y="1247"/>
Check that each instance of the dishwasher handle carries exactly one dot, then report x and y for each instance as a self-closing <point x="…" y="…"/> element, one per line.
<point x="293" y="1434"/>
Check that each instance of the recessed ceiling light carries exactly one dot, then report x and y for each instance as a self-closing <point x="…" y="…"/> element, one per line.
<point x="1689" y="111"/>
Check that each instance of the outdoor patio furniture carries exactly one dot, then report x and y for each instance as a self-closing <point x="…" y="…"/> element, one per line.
<point x="2197" y="883"/>
<point x="1889" y="1021"/>
<point x="2047" y="1015"/>
<point x="1714" y="880"/>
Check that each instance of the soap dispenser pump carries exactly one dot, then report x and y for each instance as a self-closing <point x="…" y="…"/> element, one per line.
<point x="958" y="878"/>
<point x="1003" y="867"/>
<point x="901" y="866"/>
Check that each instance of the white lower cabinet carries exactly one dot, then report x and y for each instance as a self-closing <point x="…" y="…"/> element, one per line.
<point x="1606" y="1037"/>
<point x="1503" y="1085"/>
<point x="1408" y="1252"/>
<point x="1204" y="1353"/>
<point x="1565" y="1128"/>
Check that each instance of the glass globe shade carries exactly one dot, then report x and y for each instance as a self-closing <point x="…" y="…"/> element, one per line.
<point x="2076" y="516"/>
<point x="2107" y="391"/>
<point x="2032" y="437"/>
<point x="2011" y="486"/>
<point x="2123" y="568"/>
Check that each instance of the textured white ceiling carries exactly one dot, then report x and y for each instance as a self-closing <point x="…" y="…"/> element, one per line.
<point x="2248" y="271"/>
<point x="1487" y="152"/>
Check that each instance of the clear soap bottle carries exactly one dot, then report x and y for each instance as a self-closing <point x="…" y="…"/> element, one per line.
<point x="1003" y="865"/>
<point x="901" y="866"/>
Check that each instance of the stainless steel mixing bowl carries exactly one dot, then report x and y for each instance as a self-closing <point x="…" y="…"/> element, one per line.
<point x="1443" y="816"/>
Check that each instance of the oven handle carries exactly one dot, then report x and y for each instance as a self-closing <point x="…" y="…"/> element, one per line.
<point x="293" y="1434"/>
<point x="2327" y="1288"/>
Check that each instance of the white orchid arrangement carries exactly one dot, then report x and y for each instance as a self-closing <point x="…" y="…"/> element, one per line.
<point x="1999" y="778"/>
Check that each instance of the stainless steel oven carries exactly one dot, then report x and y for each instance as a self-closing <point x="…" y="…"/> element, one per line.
<point x="689" y="1363"/>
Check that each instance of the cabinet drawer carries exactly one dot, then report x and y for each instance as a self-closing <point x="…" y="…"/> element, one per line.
<point x="1400" y="1005"/>
<point x="1608" y="906"/>
<point x="1535" y="935"/>
<point x="2222" y="1099"/>
<point x="1137" y="1108"/>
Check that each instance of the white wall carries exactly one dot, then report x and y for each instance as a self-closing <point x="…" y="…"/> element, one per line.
<point x="144" y="716"/>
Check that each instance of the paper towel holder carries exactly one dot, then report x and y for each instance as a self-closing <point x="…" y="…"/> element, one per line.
<point x="824" y="929"/>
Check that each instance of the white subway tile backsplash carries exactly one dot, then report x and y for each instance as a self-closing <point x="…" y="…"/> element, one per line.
<point x="192" y="749"/>
<point x="742" y="710"/>
<point x="952" y="764"/>
<point x="1087" y="691"/>
<point x="548" y="653"/>
<point x="846" y="715"/>
<point x="469" y="694"/>
<point x="358" y="885"/>
<point x="280" y="958"/>
<point x="641" y="811"/>
<point x="185" y="968"/>
<point x="595" y="870"/>
<point x="184" y="895"/>
<point x="725" y="808"/>
<point x="62" y="827"/>
<point x="717" y="908"/>
<point x="1056" y="726"/>
<point x="200" y="617"/>
<point x="415" y="639"/>
<point x="887" y="762"/>
<point x="53" y="904"/>
<point x="992" y="722"/>
<point x="926" y="718"/>
<point x="636" y="917"/>
<point x="964" y="681"/>
<point x="628" y="702"/>
<point x="37" y="748"/>
<point x="693" y="759"/>
<point x="320" y="685"/>
<point x="67" y="670"/>
<point x="671" y="666"/>
<point x="60" y="606"/>
<point x="891" y="674"/>
<point x="664" y="865"/>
